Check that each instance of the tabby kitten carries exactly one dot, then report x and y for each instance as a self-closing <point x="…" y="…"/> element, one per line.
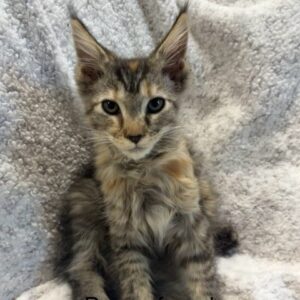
<point x="143" y="226"/>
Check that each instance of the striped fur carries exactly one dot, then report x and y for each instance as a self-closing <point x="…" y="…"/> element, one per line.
<point x="144" y="225"/>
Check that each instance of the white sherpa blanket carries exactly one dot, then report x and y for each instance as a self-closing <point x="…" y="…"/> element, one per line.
<point x="243" y="114"/>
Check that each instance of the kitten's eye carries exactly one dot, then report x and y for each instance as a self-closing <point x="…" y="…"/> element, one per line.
<point x="110" y="107"/>
<point x="155" y="105"/>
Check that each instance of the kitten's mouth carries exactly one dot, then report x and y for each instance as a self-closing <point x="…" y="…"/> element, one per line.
<point x="138" y="152"/>
<point x="137" y="149"/>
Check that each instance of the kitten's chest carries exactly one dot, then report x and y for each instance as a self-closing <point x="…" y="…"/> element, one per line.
<point x="142" y="207"/>
<point x="169" y="190"/>
<point x="157" y="221"/>
<point x="142" y="202"/>
<point x="168" y="184"/>
<point x="145" y="202"/>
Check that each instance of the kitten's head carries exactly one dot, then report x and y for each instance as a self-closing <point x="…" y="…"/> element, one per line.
<point x="131" y="104"/>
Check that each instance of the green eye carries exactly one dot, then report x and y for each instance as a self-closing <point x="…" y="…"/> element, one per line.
<point x="110" y="107"/>
<point x="155" y="105"/>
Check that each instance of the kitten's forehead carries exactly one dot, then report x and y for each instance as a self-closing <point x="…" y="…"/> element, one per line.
<point x="131" y="73"/>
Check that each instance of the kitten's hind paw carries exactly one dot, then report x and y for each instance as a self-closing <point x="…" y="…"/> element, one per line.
<point x="226" y="241"/>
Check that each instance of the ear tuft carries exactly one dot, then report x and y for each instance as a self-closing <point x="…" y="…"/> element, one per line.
<point x="91" y="56"/>
<point x="173" y="48"/>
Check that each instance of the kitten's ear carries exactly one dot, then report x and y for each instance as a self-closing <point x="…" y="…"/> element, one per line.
<point x="91" y="56"/>
<point x="171" y="52"/>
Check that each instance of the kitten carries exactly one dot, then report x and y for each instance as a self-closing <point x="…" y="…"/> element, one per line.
<point x="143" y="227"/>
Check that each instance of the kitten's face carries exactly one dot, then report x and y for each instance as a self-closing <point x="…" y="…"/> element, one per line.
<point x="132" y="109"/>
<point x="131" y="104"/>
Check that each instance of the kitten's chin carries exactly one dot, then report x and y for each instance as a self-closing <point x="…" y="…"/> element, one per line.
<point x="137" y="153"/>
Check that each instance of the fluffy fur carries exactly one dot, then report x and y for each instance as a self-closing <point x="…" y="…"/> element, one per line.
<point x="243" y="114"/>
<point x="144" y="228"/>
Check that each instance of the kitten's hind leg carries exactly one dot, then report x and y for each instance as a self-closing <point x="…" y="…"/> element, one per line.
<point x="82" y="239"/>
<point x="225" y="235"/>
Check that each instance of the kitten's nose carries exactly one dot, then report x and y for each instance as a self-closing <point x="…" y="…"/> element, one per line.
<point x="134" y="138"/>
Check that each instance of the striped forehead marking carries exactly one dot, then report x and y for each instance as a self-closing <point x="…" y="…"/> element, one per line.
<point x="131" y="73"/>
<point x="133" y="65"/>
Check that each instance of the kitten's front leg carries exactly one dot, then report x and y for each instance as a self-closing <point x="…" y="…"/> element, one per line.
<point x="133" y="272"/>
<point x="195" y="256"/>
<point x="82" y="241"/>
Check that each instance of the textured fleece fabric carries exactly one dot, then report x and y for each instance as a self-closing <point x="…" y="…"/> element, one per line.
<point x="242" y="111"/>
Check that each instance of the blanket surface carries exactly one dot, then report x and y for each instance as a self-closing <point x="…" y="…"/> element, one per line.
<point x="242" y="112"/>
